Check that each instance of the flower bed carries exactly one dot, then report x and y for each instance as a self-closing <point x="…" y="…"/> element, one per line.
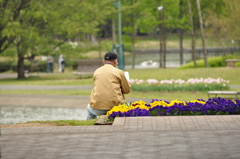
<point x="213" y="106"/>
<point x="191" y="84"/>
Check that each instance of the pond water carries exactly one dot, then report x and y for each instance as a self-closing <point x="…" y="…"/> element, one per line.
<point x="172" y="59"/>
<point x="18" y="114"/>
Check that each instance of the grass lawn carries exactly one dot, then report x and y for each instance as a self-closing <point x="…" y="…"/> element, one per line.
<point x="231" y="74"/>
<point x="179" y="95"/>
<point x="68" y="122"/>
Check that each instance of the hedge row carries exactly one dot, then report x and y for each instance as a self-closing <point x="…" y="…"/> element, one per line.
<point x="212" y="62"/>
<point x="42" y="65"/>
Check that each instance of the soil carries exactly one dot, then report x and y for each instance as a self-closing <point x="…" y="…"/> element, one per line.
<point x="28" y="125"/>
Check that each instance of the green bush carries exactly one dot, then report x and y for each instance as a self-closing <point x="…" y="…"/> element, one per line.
<point x="217" y="61"/>
<point x="5" y="65"/>
<point x="212" y="62"/>
<point x="234" y="57"/>
<point x="127" y="47"/>
<point x="42" y="66"/>
<point x="26" y="66"/>
<point x="71" y="63"/>
<point x="230" y="56"/>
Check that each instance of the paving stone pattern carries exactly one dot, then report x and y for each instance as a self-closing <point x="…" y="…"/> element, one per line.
<point x="205" y="137"/>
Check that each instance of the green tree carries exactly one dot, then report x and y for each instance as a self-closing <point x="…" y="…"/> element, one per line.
<point x="39" y="27"/>
<point x="132" y="13"/>
<point x="225" y="26"/>
<point x="164" y="20"/>
<point x="183" y="25"/>
<point x="202" y="33"/>
<point x="192" y="33"/>
<point x="200" y="14"/>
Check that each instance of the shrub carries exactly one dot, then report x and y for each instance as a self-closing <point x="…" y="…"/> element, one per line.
<point x="26" y="66"/>
<point x="42" y="66"/>
<point x="212" y="61"/>
<point x="5" y="65"/>
<point x="127" y="47"/>
<point x="71" y="63"/>
<point x="238" y="64"/>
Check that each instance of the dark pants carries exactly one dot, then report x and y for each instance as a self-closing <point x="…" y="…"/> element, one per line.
<point x="50" y="67"/>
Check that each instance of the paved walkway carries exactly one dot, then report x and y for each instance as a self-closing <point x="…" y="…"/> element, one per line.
<point x="184" y="137"/>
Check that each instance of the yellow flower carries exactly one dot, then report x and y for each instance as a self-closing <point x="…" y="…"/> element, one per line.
<point x="158" y="103"/>
<point x="122" y="108"/>
<point x="176" y="101"/>
<point x="141" y="105"/>
<point x="197" y="101"/>
<point x="138" y="104"/>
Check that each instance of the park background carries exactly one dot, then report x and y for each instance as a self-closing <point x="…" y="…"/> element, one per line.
<point x="175" y="34"/>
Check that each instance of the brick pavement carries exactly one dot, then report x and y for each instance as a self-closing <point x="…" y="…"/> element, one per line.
<point x="137" y="137"/>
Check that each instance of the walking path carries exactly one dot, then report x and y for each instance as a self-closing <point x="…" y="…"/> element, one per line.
<point x="183" y="137"/>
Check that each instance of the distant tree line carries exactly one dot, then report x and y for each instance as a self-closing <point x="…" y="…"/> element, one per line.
<point x="43" y="27"/>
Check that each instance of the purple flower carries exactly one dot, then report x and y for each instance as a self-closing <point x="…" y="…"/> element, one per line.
<point x="213" y="106"/>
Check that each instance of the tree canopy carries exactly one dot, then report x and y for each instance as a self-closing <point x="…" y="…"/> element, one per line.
<point x="40" y="27"/>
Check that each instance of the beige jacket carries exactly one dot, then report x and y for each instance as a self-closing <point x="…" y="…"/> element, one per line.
<point x="110" y="85"/>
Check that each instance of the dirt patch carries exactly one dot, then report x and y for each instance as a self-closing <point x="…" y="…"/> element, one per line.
<point x="19" y="125"/>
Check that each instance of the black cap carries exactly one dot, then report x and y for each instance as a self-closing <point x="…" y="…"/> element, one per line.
<point x="110" y="56"/>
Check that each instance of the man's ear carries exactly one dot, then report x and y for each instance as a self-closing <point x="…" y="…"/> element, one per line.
<point x="116" y="61"/>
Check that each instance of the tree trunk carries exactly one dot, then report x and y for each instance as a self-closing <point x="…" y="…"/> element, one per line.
<point x="164" y="39"/>
<point x="113" y="31"/>
<point x="133" y="38"/>
<point x="161" y="53"/>
<point x="164" y="52"/>
<point x="160" y="41"/>
<point x="100" y="48"/>
<point x="180" y="34"/>
<point x="20" y="49"/>
<point x="192" y="34"/>
<point x="99" y="37"/>
<point x="20" y="67"/>
<point x="202" y="33"/>
<point x="133" y="49"/>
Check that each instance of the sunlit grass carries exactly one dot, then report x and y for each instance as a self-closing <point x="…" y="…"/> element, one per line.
<point x="68" y="122"/>
<point x="51" y="79"/>
<point x="180" y="95"/>
<point x="231" y="74"/>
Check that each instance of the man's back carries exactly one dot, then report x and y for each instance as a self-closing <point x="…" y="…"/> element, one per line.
<point x="109" y="87"/>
